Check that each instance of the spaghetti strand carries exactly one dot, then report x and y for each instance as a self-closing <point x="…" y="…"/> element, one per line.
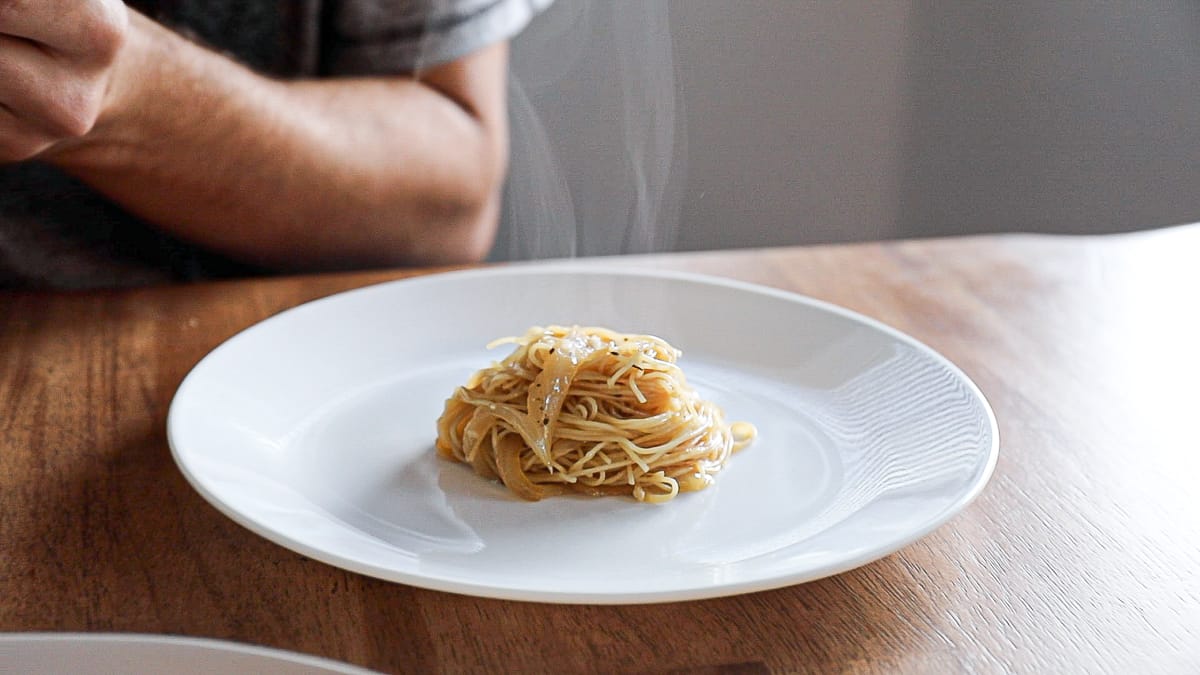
<point x="591" y="411"/>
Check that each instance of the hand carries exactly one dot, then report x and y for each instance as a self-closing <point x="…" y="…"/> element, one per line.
<point x="56" y="62"/>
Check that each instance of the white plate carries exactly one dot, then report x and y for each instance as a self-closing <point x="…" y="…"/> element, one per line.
<point x="132" y="654"/>
<point x="315" y="429"/>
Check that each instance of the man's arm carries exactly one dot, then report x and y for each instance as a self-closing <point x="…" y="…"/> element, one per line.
<point x="298" y="175"/>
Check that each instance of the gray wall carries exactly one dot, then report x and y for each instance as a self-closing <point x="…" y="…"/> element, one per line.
<point x="694" y="124"/>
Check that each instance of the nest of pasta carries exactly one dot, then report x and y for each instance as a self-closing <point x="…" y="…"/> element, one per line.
<point x="592" y="411"/>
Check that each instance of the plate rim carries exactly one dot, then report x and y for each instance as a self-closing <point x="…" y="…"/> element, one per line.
<point x="485" y="590"/>
<point x="218" y="645"/>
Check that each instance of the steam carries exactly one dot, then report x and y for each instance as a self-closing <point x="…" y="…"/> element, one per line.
<point x="597" y="154"/>
<point x="538" y="216"/>
<point x="647" y="68"/>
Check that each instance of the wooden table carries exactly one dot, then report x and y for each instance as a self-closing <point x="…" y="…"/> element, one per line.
<point x="1083" y="553"/>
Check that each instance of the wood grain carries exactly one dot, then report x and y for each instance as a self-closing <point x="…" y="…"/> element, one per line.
<point x="1081" y="555"/>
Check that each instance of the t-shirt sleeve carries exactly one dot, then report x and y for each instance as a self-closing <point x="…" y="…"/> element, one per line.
<point x="374" y="37"/>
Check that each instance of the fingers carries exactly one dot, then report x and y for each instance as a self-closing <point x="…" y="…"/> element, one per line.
<point x="43" y="96"/>
<point x="19" y="141"/>
<point x="56" y="61"/>
<point x="84" y="29"/>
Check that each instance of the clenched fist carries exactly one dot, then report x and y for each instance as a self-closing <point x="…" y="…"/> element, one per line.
<point x="56" y="64"/>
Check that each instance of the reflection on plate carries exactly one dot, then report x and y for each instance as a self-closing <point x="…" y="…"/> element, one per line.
<point x="130" y="654"/>
<point x="315" y="429"/>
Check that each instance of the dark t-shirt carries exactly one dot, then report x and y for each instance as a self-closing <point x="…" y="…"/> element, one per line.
<point x="56" y="232"/>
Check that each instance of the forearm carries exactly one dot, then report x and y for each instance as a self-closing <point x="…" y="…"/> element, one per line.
<point x="321" y="174"/>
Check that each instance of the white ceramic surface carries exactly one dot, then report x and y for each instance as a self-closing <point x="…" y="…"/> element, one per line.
<point x="315" y="429"/>
<point x="134" y="654"/>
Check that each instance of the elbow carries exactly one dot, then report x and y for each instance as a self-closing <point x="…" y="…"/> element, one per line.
<point x="454" y="231"/>
<point x="472" y="232"/>
<point x="464" y="229"/>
